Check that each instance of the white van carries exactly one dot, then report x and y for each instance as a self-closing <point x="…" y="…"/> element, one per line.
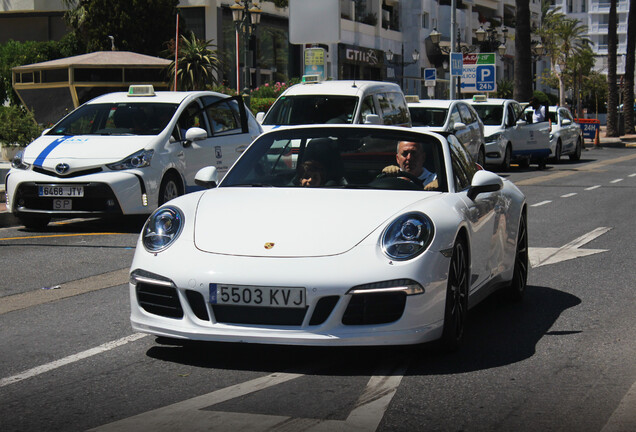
<point x="352" y="102"/>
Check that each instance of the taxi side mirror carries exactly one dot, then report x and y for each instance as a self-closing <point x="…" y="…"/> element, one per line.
<point x="207" y="177"/>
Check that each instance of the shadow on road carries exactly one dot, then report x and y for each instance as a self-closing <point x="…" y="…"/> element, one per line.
<point x="499" y="333"/>
<point x="119" y="224"/>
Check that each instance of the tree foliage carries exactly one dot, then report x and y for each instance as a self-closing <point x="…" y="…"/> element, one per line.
<point x="13" y="53"/>
<point x="17" y="126"/>
<point x="197" y="65"/>
<point x="628" y="86"/>
<point x="142" y="26"/>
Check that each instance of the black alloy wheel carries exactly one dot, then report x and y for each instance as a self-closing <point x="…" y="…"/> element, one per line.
<point x="505" y="164"/>
<point x="517" y="287"/>
<point x="170" y="188"/>
<point x="456" y="309"/>
<point x="557" y="152"/>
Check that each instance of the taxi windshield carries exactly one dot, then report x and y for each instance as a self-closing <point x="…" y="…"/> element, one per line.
<point x="491" y="115"/>
<point x="312" y="109"/>
<point x="428" y="116"/>
<point x="116" y="119"/>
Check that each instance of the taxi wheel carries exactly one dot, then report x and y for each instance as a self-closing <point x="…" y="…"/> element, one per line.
<point x="481" y="157"/>
<point x="519" y="281"/>
<point x="505" y="165"/>
<point x="170" y="188"/>
<point x="577" y="151"/>
<point x="33" y="222"/>
<point x="557" y="152"/>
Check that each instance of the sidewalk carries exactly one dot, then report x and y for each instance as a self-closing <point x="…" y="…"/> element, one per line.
<point x="7" y="219"/>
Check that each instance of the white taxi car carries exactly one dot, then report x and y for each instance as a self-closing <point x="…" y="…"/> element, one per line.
<point x="127" y="153"/>
<point x="566" y="136"/>
<point x="510" y="136"/>
<point x="456" y="117"/>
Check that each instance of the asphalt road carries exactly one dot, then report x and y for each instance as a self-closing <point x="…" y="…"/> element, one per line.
<point x="563" y="360"/>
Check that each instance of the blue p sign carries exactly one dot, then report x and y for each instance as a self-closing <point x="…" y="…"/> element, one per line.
<point x="485" y="80"/>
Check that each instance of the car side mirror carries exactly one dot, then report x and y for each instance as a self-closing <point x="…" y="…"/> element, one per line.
<point x="207" y="177"/>
<point x="566" y="122"/>
<point x="484" y="181"/>
<point x="372" y="119"/>
<point x="194" y="134"/>
<point x="459" y="126"/>
<point x="521" y="122"/>
<point x="260" y="116"/>
<point x="44" y="132"/>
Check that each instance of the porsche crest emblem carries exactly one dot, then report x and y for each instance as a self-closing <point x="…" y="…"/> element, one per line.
<point x="269" y="245"/>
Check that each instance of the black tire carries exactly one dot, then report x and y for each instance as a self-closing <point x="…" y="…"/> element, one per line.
<point x="170" y="188"/>
<point x="577" y="151"/>
<point x="481" y="157"/>
<point x="557" y="152"/>
<point x="34" y="222"/>
<point x="524" y="163"/>
<point x="542" y="163"/>
<point x="517" y="287"/>
<point x="456" y="307"/>
<point x="505" y="165"/>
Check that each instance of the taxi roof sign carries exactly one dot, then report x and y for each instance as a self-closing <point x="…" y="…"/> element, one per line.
<point x="412" y="98"/>
<point x="480" y="98"/>
<point x="308" y="79"/>
<point x="141" y="90"/>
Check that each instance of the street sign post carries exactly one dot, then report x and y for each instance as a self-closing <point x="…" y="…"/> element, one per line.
<point x="430" y="76"/>
<point x="457" y="63"/>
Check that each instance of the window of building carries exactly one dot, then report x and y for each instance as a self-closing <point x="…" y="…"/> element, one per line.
<point x="425" y="20"/>
<point x="194" y="19"/>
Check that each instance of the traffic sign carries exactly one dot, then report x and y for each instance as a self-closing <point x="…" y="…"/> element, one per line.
<point x="485" y="78"/>
<point x="430" y="75"/>
<point x="470" y="73"/>
<point x="457" y="63"/>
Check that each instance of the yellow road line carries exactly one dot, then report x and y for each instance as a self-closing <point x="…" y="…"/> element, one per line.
<point x="61" y="235"/>
<point x="561" y="174"/>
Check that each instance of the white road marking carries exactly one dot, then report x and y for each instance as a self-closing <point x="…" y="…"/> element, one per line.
<point x="569" y="195"/>
<point x="632" y="175"/>
<point x="593" y="187"/>
<point x="195" y="414"/>
<point x="544" y="256"/>
<point x="70" y="359"/>
<point x="540" y="203"/>
<point x="623" y="419"/>
<point x="616" y="181"/>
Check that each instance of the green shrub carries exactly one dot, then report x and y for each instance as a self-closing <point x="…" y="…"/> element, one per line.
<point x="261" y="104"/>
<point x="17" y="126"/>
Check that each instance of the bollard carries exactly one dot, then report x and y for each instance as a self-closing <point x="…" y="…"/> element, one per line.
<point x="597" y="142"/>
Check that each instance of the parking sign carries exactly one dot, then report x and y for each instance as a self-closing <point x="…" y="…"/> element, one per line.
<point x="485" y="78"/>
<point x="430" y="75"/>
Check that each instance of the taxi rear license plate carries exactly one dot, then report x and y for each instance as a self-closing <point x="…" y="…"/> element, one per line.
<point x="245" y="295"/>
<point x="61" y="191"/>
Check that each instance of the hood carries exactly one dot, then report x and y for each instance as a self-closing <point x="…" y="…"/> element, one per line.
<point x="299" y="222"/>
<point x="489" y="130"/>
<point x="82" y="151"/>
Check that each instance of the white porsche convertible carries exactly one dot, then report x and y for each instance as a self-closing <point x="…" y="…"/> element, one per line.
<point x="358" y="258"/>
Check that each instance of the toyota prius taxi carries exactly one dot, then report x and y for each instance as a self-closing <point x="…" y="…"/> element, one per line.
<point x="306" y="241"/>
<point x="126" y="154"/>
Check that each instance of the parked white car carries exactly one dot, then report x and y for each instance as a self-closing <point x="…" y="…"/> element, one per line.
<point x="566" y="136"/>
<point x="127" y="153"/>
<point x="509" y="135"/>
<point x="334" y="102"/>
<point x="454" y="116"/>
<point x="362" y="258"/>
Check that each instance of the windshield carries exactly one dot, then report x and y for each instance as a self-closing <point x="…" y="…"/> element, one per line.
<point x="312" y="109"/>
<point x="116" y="119"/>
<point x="428" y="116"/>
<point x="491" y="115"/>
<point x="345" y="157"/>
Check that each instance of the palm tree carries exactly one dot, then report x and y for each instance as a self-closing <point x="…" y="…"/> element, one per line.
<point x="197" y="65"/>
<point x="628" y="89"/>
<point x="612" y="90"/>
<point x="523" y="49"/>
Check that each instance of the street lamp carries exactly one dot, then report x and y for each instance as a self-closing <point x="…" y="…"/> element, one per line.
<point x="537" y="51"/>
<point x="489" y="40"/>
<point x="390" y="59"/>
<point x="246" y="16"/>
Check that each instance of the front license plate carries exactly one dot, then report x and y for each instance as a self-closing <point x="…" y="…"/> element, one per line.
<point x="61" y="191"/>
<point x="62" y="204"/>
<point x="244" y="295"/>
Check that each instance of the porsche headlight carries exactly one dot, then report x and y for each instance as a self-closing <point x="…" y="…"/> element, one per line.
<point x="407" y="236"/>
<point x="492" y="138"/>
<point x="139" y="159"/>
<point x="18" y="161"/>
<point x="162" y="228"/>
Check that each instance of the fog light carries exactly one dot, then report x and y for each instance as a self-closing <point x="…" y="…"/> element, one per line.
<point x="144" y="200"/>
